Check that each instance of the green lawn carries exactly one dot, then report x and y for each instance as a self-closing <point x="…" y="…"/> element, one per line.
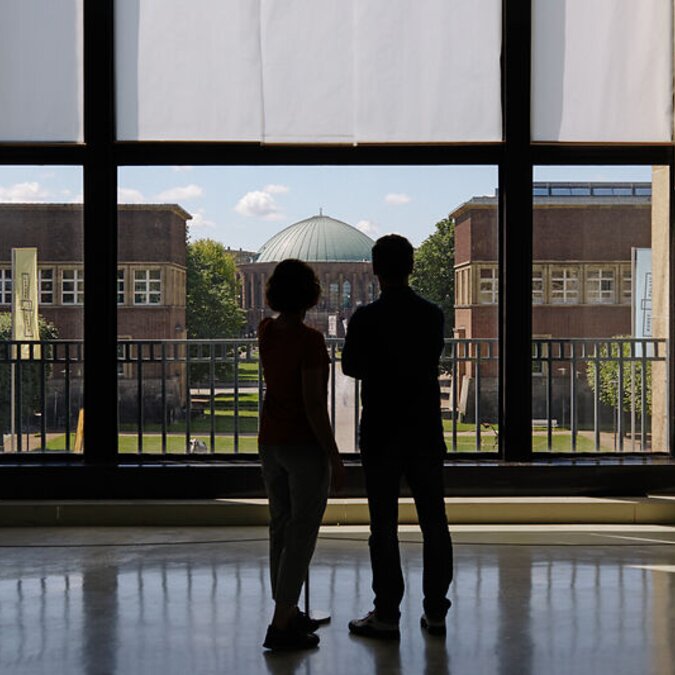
<point x="152" y="443"/>
<point x="466" y="442"/>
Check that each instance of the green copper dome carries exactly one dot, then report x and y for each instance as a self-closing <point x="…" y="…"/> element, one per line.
<point x="318" y="239"/>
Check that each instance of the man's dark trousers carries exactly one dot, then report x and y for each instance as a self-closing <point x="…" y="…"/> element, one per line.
<point x="424" y="475"/>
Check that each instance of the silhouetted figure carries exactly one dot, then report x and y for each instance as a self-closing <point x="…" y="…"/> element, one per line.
<point x="296" y="444"/>
<point x="393" y="345"/>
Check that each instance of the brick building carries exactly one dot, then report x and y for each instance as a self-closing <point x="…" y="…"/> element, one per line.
<point x="584" y="234"/>
<point x="151" y="282"/>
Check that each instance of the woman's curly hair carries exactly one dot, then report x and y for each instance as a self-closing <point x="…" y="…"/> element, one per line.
<point x="293" y="286"/>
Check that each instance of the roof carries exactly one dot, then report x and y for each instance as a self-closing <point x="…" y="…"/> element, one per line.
<point x="318" y="239"/>
<point x="77" y="207"/>
<point x="569" y="194"/>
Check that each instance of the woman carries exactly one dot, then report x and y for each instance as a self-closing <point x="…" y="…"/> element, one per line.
<point x="297" y="447"/>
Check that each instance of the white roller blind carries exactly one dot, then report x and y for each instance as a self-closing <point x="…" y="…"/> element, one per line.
<point x="188" y="70"/>
<point x="41" y="71"/>
<point x="428" y="70"/>
<point x="602" y="70"/>
<point x="309" y="70"/>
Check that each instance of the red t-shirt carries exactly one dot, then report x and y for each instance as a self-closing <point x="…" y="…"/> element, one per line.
<point x="284" y="352"/>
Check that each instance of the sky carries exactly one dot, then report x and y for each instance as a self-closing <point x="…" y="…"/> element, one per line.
<point x="244" y="206"/>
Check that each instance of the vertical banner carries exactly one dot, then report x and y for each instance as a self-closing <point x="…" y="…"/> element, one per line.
<point x="642" y="297"/>
<point x="25" y="300"/>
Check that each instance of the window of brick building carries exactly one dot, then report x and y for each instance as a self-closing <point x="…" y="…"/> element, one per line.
<point x="46" y="280"/>
<point x="600" y="286"/>
<point x="147" y="287"/>
<point x="333" y="294"/>
<point x="626" y="285"/>
<point x="72" y="287"/>
<point x="564" y="286"/>
<point x="5" y="286"/>
<point x="346" y="295"/>
<point x="120" y="287"/>
<point x="488" y="286"/>
<point x="538" y="288"/>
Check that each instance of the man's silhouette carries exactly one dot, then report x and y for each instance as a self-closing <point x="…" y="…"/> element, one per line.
<point x="393" y="345"/>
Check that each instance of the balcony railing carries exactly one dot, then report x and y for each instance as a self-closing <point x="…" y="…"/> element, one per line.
<point x="205" y="396"/>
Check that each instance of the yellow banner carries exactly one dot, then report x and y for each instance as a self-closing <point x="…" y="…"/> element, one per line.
<point x="25" y="299"/>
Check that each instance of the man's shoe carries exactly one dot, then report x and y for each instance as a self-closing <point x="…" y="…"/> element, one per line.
<point x="305" y="623"/>
<point x="290" y="639"/>
<point x="433" y="626"/>
<point x="372" y="626"/>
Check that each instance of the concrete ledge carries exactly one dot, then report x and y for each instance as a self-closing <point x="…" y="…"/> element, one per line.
<point x="249" y="512"/>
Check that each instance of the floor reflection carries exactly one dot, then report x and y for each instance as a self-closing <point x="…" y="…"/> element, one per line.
<point x="196" y="608"/>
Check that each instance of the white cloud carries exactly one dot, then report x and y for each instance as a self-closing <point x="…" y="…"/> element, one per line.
<point x="30" y="191"/>
<point x="275" y="189"/>
<point x="130" y="196"/>
<point x="259" y="204"/>
<point x="182" y="169"/>
<point x="368" y="227"/>
<point x="180" y="193"/>
<point x="199" y="220"/>
<point x="397" y="198"/>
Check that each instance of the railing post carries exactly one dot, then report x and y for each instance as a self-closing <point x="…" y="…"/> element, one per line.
<point x="164" y="403"/>
<point x="236" y="398"/>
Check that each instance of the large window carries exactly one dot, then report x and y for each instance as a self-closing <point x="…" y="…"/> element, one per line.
<point x="590" y="80"/>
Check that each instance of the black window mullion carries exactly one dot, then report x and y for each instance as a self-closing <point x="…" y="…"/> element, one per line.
<point x="515" y="238"/>
<point x="670" y="364"/>
<point x="100" y="235"/>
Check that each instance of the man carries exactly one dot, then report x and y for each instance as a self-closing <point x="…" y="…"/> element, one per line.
<point x="393" y="345"/>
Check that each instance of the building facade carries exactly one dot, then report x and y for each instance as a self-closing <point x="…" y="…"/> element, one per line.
<point x="584" y="234"/>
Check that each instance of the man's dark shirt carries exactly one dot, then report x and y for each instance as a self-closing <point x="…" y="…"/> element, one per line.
<point x="393" y="345"/>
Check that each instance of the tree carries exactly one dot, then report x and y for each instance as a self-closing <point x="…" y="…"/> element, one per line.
<point x="212" y="290"/>
<point x="212" y="307"/>
<point x="30" y="372"/>
<point x="434" y="275"/>
<point x="608" y="370"/>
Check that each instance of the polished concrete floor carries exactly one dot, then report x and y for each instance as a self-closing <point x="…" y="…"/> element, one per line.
<point x="193" y="601"/>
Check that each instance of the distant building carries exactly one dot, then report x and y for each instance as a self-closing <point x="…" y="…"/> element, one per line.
<point x="151" y="278"/>
<point x="339" y="253"/>
<point x="582" y="283"/>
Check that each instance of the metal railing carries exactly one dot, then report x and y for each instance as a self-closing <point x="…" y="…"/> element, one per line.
<point x="205" y="396"/>
<point x="616" y="374"/>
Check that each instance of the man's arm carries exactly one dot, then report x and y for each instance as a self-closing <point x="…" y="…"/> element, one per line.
<point x="354" y="358"/>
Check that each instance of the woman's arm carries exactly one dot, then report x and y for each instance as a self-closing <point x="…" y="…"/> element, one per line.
<point x="314" y="401"/>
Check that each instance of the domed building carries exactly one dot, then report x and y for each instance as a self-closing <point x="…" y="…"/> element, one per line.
<point x="339" y="253"/>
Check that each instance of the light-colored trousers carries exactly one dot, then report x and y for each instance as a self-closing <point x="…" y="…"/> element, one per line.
<point x="296" y="479"/>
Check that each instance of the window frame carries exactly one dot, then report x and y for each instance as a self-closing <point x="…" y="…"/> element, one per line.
<point x="148" y="282"/>
<point x="6" y="286"/>
<point x="101" y="155"/>
<point x="78" y="281"/>
<point x="42" y="282"/>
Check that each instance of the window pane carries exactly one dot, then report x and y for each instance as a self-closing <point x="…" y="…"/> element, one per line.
<point x="302" y="71"/>
<point x="589" y="353"/>
<point x="41" y="70"/>
<point x="198" y="260"/>
<point x="602" y="70"/>
<point x="42" y="282"/>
